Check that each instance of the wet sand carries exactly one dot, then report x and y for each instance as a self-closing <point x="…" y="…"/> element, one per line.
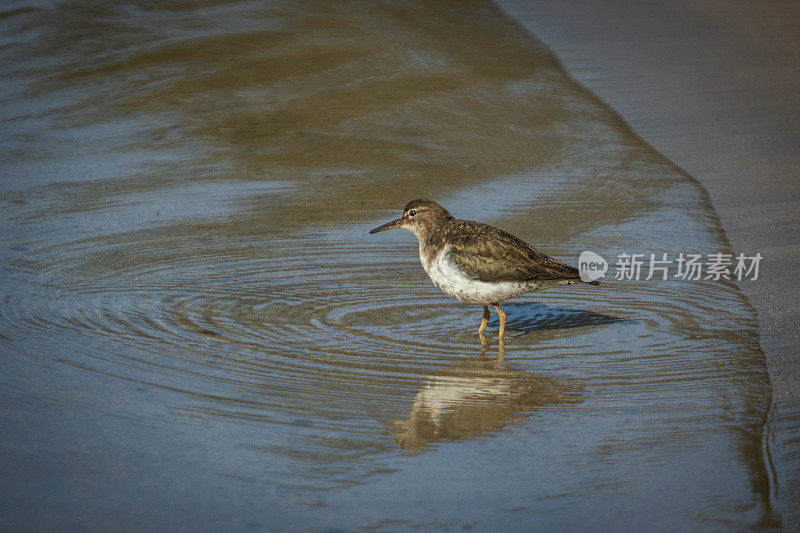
<point x="712" y="86"/>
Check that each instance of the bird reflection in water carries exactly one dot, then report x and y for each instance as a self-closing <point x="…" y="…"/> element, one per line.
<point x="501" y="348"/>
<point x="474" y="398"/>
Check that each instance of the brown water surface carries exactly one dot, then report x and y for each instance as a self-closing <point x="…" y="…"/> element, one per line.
<point x="197" y="330"/>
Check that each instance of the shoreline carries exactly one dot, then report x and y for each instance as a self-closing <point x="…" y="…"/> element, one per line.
<point x="713" y="88"/>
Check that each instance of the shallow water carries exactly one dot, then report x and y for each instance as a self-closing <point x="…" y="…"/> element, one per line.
<point x="198" y="330"/>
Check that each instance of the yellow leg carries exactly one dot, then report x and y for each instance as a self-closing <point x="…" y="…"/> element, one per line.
<point x="484" y="321"/>
<point x="502" y="316"/>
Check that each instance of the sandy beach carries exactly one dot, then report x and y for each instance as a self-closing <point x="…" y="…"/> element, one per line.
<point x="712" y="86"/>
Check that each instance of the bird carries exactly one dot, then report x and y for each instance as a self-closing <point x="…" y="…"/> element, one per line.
<point x="477" y="263"/>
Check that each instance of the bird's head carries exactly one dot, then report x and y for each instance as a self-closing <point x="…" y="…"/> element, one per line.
<point x="419" y="217"/>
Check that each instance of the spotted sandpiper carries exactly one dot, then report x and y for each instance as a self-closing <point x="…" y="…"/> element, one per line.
<point x="476" y="263"/>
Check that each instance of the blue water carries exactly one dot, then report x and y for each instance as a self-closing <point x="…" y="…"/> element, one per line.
<point x="198" y="332"/>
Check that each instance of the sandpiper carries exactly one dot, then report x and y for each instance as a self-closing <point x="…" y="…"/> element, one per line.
<point x="476" y="263"/>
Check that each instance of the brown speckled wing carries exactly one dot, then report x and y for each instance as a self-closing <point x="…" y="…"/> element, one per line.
<point x="491" y="255"/>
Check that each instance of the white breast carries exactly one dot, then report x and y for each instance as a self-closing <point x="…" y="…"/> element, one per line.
<point x="452" y="280"/>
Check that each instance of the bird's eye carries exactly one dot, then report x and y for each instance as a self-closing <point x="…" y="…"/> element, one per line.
<point x="412" y="212"/>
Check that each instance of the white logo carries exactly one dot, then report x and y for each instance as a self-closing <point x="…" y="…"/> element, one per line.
<point x="591" y="266"/>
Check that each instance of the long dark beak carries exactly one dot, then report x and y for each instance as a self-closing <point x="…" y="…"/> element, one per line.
<point x="389" y="225"/>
